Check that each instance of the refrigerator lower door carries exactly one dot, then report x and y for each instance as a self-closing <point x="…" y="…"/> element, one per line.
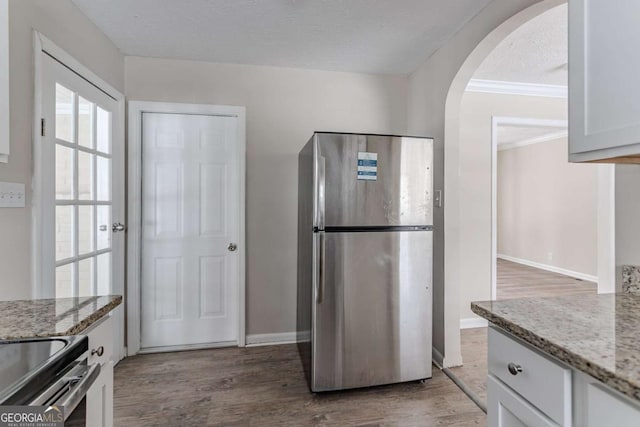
<point x="371" y="309"/>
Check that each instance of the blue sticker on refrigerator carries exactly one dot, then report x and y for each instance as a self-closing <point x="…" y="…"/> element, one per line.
<point x="367" y="166"/>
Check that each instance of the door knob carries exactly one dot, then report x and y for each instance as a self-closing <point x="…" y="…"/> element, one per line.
<point x="117" y="227"/>
<point x="232" y="247"/>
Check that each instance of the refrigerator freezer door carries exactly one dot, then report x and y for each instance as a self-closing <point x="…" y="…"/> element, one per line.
<point x="372" y="180"/>
<point x="371" y="309"/>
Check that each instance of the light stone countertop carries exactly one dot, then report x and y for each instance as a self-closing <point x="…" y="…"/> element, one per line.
<point x="52" y="317"/>
<point x="596" y="334"/>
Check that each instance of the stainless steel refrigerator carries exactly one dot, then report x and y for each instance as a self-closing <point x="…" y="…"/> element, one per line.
<point x="365" y="246"/>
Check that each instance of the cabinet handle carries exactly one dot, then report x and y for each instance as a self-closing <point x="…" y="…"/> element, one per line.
<point x="98" y="351"/>
<point x="514" y="369"/>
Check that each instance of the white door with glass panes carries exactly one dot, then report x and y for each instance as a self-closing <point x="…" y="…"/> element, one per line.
<point x="190" y="230"/>
<point x="81" y="188"/>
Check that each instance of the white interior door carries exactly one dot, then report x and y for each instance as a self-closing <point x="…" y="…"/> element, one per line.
<point x="81" y="165"/>
<point x="190" y="230"/>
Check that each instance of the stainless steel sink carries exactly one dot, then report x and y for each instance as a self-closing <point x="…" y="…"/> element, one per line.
<point x="27" y="366"/>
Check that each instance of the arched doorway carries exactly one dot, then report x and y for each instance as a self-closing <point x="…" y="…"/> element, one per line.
<point x="454" y="191"/>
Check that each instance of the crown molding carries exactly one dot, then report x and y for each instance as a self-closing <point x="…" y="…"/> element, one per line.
<point x="516" y="88"/>
<point x="551" y="136"/>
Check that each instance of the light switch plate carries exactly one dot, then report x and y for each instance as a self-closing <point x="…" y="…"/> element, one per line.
<point x="12" y="195"/>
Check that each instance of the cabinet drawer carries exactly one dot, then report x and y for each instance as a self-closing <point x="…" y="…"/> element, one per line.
<point x="101" y="341"/>
<point x="546" y="384"/>
<point x="507" y="409"/>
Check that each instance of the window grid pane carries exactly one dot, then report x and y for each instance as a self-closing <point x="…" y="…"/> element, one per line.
<point x="103" y="179"/>
<point x="64" y="281"/>
<point x="64" y="232"/>
<point x="64" y="173"/>
<point x="65" y="107"/>
<point x="86" y="285"/>
<point x="103" y="223"/>
<point x="103" y="131"/>
<point x="83" y="180"/>
<point x="85" y="175"/>
<point x="85" y="122"/>
<point x="103" y="274"/>
<point x="85" y="229"/>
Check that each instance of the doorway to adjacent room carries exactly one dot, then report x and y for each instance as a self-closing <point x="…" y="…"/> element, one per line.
<point x="187" y="241"/>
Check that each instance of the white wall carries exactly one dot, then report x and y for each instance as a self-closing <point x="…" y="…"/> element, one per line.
<point x="284" y="107"/>
<point x="627" y="218"/>
<point x="444" y="75"/>
<point x="302" y="100"/>
<point x="474" y="181"/>
<point x="65" y="25"/>
<point x="548" y="206"/>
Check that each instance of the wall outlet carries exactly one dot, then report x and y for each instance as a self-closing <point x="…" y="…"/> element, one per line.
<point x="12" y="195"/>
<point x="549" y="256"/>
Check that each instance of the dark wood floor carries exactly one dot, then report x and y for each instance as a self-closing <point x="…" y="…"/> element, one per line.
<point x="521" y="281"/>
<point x="265" y="386"/>
<point x="473" y="372"/>
<point x="513" y="281"/>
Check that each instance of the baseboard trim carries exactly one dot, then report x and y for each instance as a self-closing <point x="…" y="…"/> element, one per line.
<point x="473" y="322"/>
<point x="450" y="362"/>
<point x="257" y="340"/>
<point x="186" y="347"/>
<point x="437" y="357"/>
<point x="553" y="269"/>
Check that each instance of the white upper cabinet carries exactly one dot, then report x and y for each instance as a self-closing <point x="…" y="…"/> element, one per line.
<point x="604" y="81"/>
<point x="4" y="81"/>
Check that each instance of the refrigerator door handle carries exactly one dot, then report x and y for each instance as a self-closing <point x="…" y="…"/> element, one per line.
<point x="321" y="268"/>
<point x="320" y="193"/>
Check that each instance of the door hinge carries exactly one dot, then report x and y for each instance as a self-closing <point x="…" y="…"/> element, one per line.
<point x="42" y="127"/>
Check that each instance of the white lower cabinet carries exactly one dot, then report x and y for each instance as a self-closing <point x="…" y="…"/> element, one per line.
<point x="100" y="395"/>
<point x="597" y="405"/>
<point x="541" y="381"/>
<point x="100" y="399"/>
<point x="505" y="408"/>
<point x="526" y="387"/>
<point x="606" y="409"/>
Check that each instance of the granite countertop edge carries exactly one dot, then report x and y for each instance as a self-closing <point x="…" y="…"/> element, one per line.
<point x="93" y="317"/>
<point x="575" y="361"/>
<point x="78" y="327"/>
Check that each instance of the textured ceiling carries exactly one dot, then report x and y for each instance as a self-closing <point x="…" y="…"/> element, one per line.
<point x="511" y="134"/>
<point x="534" y="53"/>
<point x="371" y="36"/>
